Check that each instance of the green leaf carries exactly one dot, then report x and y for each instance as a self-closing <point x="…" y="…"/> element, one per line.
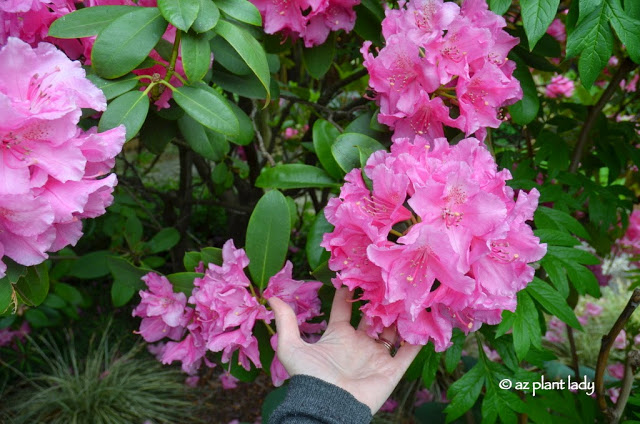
<point x="267" y="239"/>
<point x="164" y="240"/>
<point x="454" y="353"/>
<point x="228" y="57"/>
<point x="246" y="134"/>
<point x="552" y="301"/>
<point x="558" y="220"/>
<point x="627" y="29"/>
<point x="69" y="293"/>
<point x="526" y="109"/>
<point x="244" y="85"/>
<point x="632" y="7"/>
<point x="211" y="255"/>
<point x="36" y="318"/>
<point x="241" y="10"/>
<point x="183" y="281"/>
<point x="324" y="136"/>
<point x="181" y="13"/>
<point x="191" y="260"/>
<point x="571" y="254"/>
<point x="90" y="266"/>
<point x="323" y="274"/>
<point x="202" y="140"/>
<point x="272" y="401"/>
<point x="499" y="7"/>
<point x="431" y="363"/>
<point x="196" y="55"/>
<point x="87" y="21"/>
<point x="130" y="110"/>
<point x="126" y="42"/>
<point x="126" y="280"/>
<point x="208" y="107"/>
<point x="464" y="392"/>
<point x="317" y="254"/>
<point x="7" y="296"/>
<point x="583" y="279"/>
<point x="207" y="16"/>
<point x="526" y="327"/>
<point x="537" y="15"/>
<point x="133" y="232"/>
<point x="157" y="132"/>
<point x="33" y="287"/>
<point x="593" y="40"/>
<point x="557" y="274"/>
<point x="348" y="146"/>
<point x="318" y="59"/>
<point x="294" y="175"/>
<point x="113" y="88"/>
<point x="555" y="237"/>
<point x="249" y="50"/>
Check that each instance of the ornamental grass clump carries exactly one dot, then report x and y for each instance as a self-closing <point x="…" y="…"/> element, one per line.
<point x="104" y="386"/>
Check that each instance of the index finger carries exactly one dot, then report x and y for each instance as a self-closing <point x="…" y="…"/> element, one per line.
<point x="341" y="307"/>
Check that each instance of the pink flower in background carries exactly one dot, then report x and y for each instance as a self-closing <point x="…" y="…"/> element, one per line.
<point x="52" y="173"/>
<point x="389" y="405"/>
<point x="228" y="381"/>
<point x="439" y="61"/>
<point x="457" y="261"/>
<point x="630" y="242"/>
<point x="423" y="396"/>
<point x="290" y="133"/>
<point x="557" y="30"/>
<point x="9" y="336"/>
<point x="560" y="86"/>
<point x="310" y="20"/>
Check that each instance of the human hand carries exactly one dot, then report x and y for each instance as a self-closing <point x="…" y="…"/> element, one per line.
<point x="344" y="356"/>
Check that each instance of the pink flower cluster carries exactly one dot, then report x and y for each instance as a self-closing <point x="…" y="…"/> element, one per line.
<point x="312" y="20"/>
<point x="630" y="242"/>
<point x="52" y="173"/>
<point x="440" y="58"/>
<point x="222" y="315"/>
<point x="437" y="243"/>
<point x="560" y="86"/>
<point x="557" y="30"/>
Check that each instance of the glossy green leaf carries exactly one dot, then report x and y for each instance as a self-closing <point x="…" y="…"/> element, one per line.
<point x="627" y="28"/>
<point x="33" y="287"/>
<point x="113" y="88"/>
<point x="593" y="40"/>
<point x="196" y="55"/>
<point x="499" y="7"/>
<point x="126" y="42"/>
<point x="246" y="133"/>
<point x="464" y="392"/>
<point x="557" y="274"/>
<point x="211" y="255"/>
<point x="133" y="232"/>
<point x="537" y="15"/>
<point x="571" y="254"/>
<point x="555" y="237"/>
<point x="164" y="240"/>
<point x="202" y="140"/>
<point x="130" y="110"/>
<point x="453" y="354"/>
<point x="244" y="85"/>
<point x="552" y="301"/>
<point x="241" y="10"/>
<point x="37" y="318"/>
<point x="431" y="363"/>
<point x="126" y="280"/>
<point x="191" y="260"/>
<point x="267" y="239"/>
<point x="249" y="50"/>
<point x="181" y="13"/>
<point x="228" y="57"/>
<point x="208" y="107"/>
<point x="156" y="133"/>
<point x="324" y="136"/>
<point x="555" y="219"/>
<point x="526" y="327"/>
<point x="318" y="59"/>
<point x="208" y="16"/>
<point x="348" y="146"/>
<point x="7" y="297"/>
<point x="87" y="21"/>
<point x="526" y="109"/>
<point x="294" y="175"/>
<point x="90" y="266"/>
<point x="183" y="281"/>
<point x="317" y="254"/>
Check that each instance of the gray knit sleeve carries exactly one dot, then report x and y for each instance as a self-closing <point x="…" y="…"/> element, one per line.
<point x="310" y="400"/>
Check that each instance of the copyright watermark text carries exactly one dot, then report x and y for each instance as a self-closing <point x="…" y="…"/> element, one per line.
<point x="583" y="385"/>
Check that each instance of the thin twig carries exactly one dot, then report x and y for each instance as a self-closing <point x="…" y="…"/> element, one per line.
<point x="330" y="91"/>
<point x="574" y="353"/>
<point x="261" y="146"/>
<point x="607" y="343"/>
<point x="626" y="67"/>
<point x="630" y="368"/>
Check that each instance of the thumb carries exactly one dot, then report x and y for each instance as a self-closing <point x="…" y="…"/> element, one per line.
<point x="286" y="323"/>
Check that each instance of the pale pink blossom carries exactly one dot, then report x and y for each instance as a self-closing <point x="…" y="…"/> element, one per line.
<point x="228" y="381"/>
<point x="557" y="30"/>
<point x="52" y="173"/>
<point x="560" y="86"/>
<point x="621" y="340"/>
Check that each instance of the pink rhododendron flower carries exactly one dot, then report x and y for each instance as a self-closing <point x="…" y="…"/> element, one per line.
<point x="52" y="173"/>
<point x="290" y="133"/>
<point x="228" y="381"/>
<point x="192" y="381"/>
<point x="389" y="405"/>
<point x="423" y="396"/>
<point x="557" y="30"/>
<point x="442" y="60"/>
<point x="560" y="86"/>
<point x="630" y="242"/>
<point x="621" y="340"/>
<point x="9" y="336"/>
<point x="310" y="20"/>
<point x="616" y="370"/>
<point x="456" y="259"/>
<point x="224" y="314"/>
